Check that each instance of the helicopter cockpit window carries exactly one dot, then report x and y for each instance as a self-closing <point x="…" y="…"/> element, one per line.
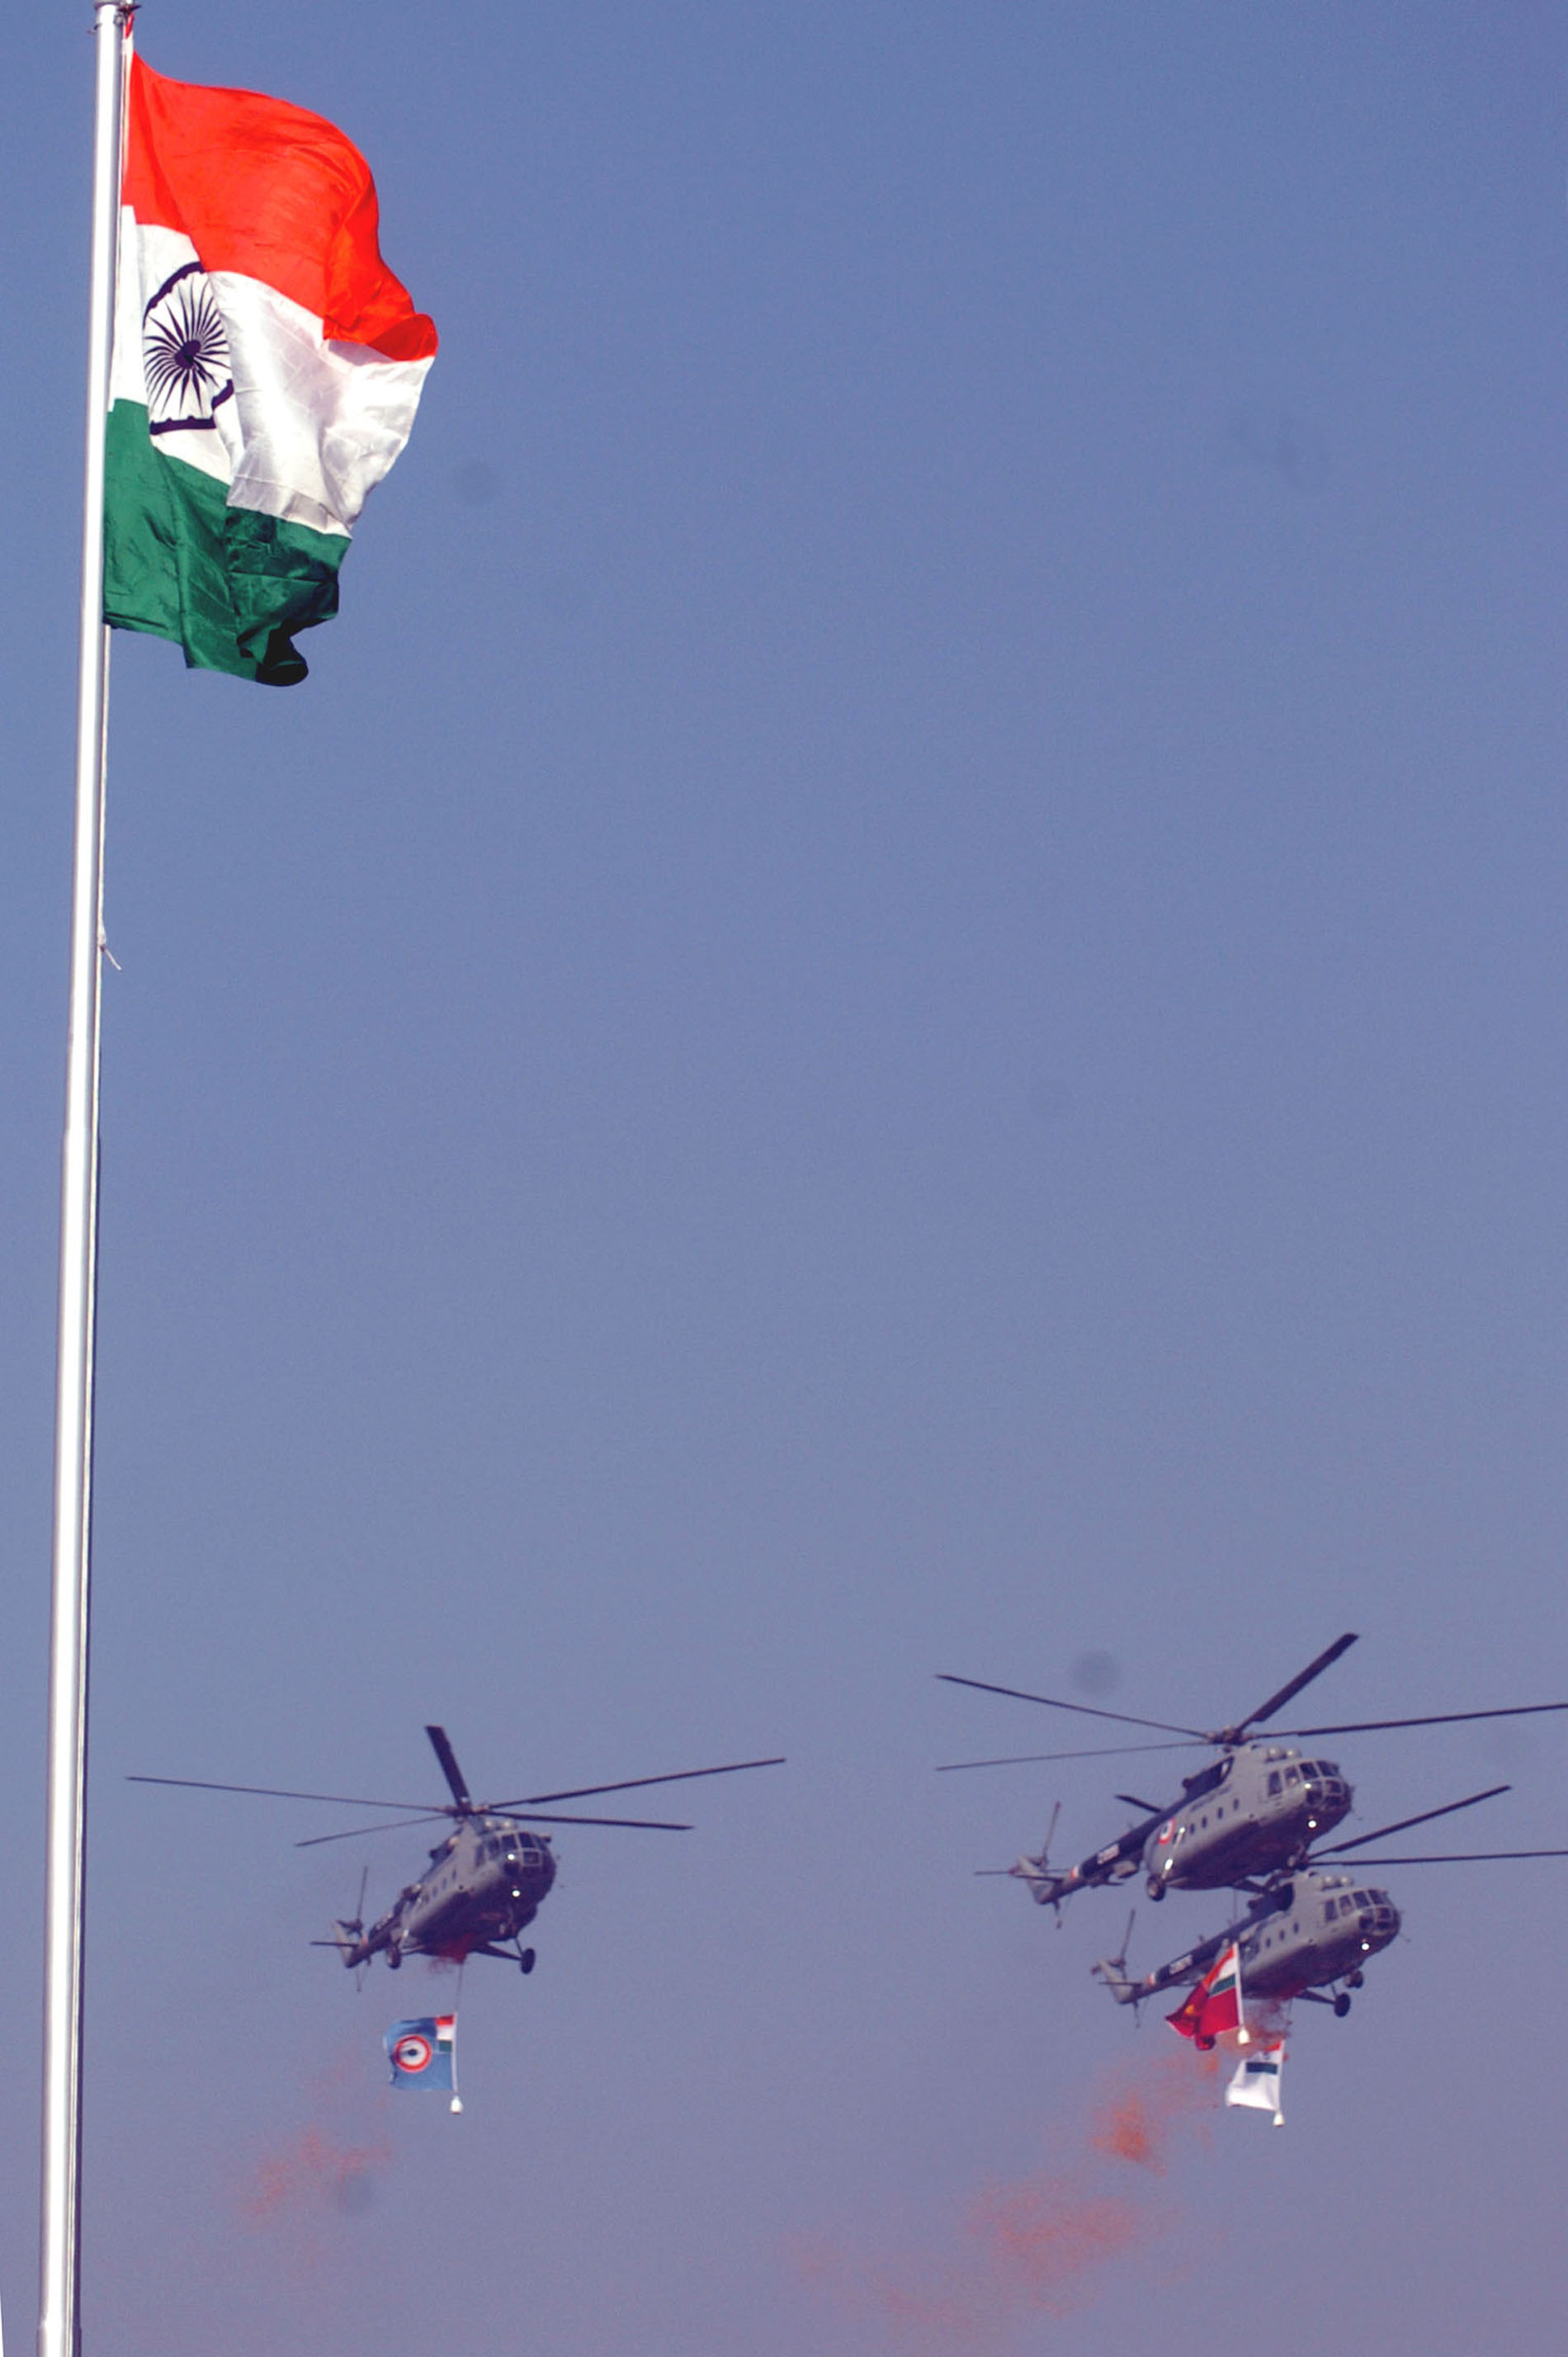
<point x="1292" y="1775"/>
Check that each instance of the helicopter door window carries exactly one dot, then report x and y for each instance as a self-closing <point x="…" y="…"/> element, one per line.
<point x="1274" y="1780"/>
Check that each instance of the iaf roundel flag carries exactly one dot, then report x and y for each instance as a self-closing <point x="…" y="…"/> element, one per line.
<point x="266" y="369"/>
<point x="423" y="2053"/>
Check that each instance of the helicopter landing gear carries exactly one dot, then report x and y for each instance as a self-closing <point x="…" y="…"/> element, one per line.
<point x="1341" y="2005"/>
<point x="1204" y="2045"/>
<point x="525" y="1959"/>
<point x="1155" y="1887"/>
<point x="1356" y="1980"/>
<point x="394" y="1957"/>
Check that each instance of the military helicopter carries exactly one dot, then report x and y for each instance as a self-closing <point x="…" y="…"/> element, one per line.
<point x="487" y="1878"/>
<point x="1256" y="1810"/>
<point x="1306" y="1931"/>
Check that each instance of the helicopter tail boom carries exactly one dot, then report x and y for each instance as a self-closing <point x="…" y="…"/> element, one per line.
<point x="350" y="1942"/>
<point x="1044" y="1887"/>
<point x="1113" y="1971"/>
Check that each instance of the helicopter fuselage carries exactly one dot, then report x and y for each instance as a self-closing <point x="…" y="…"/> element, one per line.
<point x="484" y="1885"/>
<point x="1255" y="1811"/>
<point x="1318" y="1929"/>
<point x="1265" y="1808"/>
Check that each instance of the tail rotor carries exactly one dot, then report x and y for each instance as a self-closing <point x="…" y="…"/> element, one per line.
<point x="1112" y="1970"/>
<point x="1045" y="1888"/>
<point x="350" y="1934"/>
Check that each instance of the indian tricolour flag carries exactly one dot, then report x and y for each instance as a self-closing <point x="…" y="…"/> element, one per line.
<point x="1214" y="2006"/>
<point x="267" y="366"/>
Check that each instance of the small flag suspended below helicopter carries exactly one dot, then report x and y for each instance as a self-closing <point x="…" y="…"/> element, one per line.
<point x="1213" y="2007"/>
<point x="423" y="2053"/>
<point x="1258" y="2079"/>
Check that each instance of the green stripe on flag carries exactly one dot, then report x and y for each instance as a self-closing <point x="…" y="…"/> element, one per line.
<point x="227" y="585"/>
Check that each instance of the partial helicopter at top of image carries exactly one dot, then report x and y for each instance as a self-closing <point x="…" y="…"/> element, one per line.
<point x="486" y="1879"/>
<point x="1259" y="1810"/>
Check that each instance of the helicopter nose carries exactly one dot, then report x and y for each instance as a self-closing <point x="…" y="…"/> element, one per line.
<point x="1329" y="1798"/>
<point x="1380" y="1924"/>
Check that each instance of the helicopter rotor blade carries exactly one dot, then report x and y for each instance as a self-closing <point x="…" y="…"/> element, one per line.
<point x="1433" y="1718"/>
<point x="633" y="1783"/>
<point x="391" y="1825"/>
<point x="1325" y="1660"/>
<point x="354" y="1832"/>
<point x="1339" y="1849"/>
<point x="449" y="1768"/>
<point x="1464" y="1857"/>
<point x="1151" y="1808"/>
<point x="1024" y="1759"/>
<point x="1085" y="1710"/>
<point x="271" y="1792"/>
<point x="636" y="1825"/>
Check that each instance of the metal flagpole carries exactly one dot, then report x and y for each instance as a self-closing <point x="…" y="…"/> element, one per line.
<point x="59" y="2327"/>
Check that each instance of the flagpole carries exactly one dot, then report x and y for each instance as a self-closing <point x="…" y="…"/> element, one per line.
<point x="59" y="2327"/>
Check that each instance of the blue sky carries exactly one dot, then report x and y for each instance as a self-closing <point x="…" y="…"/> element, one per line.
<point x="893" y="1003"/>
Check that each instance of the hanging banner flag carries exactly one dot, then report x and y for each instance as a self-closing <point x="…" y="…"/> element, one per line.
<point x="1259" y="2080"/>
<point x="423" y="2053"/>
<point x="267" y="367"/>
<point x="1214" y="2006"/>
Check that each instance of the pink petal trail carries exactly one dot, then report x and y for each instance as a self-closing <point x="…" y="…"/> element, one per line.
<point x="1046" y="2243"/>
